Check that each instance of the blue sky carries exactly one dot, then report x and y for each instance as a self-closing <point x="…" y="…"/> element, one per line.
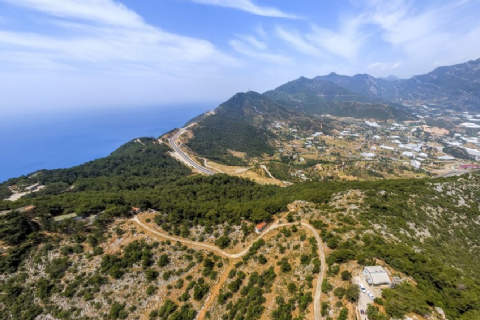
<point x="71" y="54"/>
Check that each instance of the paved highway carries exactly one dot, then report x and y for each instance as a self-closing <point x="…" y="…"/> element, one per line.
<point x="185" y="156"/>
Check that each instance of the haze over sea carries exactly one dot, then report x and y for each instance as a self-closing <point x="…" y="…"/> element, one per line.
<point x="33" y="142"/>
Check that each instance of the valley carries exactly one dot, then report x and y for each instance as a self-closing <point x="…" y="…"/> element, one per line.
<point x="357" y="149"/>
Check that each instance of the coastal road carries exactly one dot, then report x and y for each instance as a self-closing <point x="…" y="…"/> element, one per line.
<point x="185" y="156"/>
<point x="318" y="289"/>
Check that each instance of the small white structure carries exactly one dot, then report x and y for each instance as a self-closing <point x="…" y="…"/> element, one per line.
<point x="368" y="155"/>
<point x="446" y="158"/>
<point x="470" y="125"/>
<point x="376" y="275"/>
<point x="372" y="124"/>
<point x="416" y="164"/>
<point x="386" y="147"/>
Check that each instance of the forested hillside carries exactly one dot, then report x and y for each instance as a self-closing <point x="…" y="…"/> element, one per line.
<point x="239" y="124"/>
<point x="217" y="136"/>
<point x="427" y="229"/>
<point x="140" y="163"/>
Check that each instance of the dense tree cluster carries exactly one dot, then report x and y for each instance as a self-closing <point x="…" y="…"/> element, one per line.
<point x="216" y="135"/>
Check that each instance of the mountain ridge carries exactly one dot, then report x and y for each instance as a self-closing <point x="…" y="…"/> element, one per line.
<point x="317" y="96"/>
<point x="456" y="86"/>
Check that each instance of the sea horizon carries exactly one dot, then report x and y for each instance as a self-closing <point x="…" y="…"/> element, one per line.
<point x="30" y="143"/>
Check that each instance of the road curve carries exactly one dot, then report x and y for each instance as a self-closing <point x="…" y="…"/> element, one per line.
<point x="318" y="289"/>
<point x="185" y="156"/>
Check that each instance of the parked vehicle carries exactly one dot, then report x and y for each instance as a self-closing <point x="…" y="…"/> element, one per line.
<point x="362" y="288"/>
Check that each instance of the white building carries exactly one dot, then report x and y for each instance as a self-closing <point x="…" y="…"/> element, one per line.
<point x="446" y="158"/>
<point x="386" y="147"/>
<point x="416" y="164"/>
<point x="376" y="275"/>
<point x="372" y="124"/>
<point x="368" y="155"/>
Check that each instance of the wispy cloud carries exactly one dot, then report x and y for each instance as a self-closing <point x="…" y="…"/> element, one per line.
<point x="384" y="66"/>
<point x="345" y="42"/>
<point x="253" y="41"/>
<point x="403" y="30"/>
<point x="98" y="11"/>
<point x="402" y="22"/>
<point x="251" y="47"/>
<point x="249" y="6"/>
<point x="110" y="37"/>
<point x="297" y="41"/>
<point x="439" y="33"/>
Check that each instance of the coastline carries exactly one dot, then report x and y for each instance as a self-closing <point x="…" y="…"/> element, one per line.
<point x="35" y="142"/>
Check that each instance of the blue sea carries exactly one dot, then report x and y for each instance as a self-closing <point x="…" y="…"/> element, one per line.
<point x="31" y="143"/>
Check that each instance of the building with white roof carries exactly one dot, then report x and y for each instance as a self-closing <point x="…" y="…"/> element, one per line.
<point x="446" y="158"/>
<point x="473" y="152"/>
<point x="386" y="147"/>
<point x="416" y="164"/>
<point x="372" y="124"/>
<point x="376" y="275"/>
<point x="368" y="154"/>
<point x="470" y="125"/>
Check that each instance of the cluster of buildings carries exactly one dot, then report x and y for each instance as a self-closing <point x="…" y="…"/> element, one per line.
<point x="410" y="143"/>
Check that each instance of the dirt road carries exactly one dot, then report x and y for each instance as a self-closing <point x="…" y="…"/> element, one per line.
<point x="318" y="289"/>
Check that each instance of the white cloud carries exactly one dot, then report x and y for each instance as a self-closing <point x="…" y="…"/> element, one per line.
<point x="438" y="33"/>
<point x="384" y="66"/>
<point x="110" y="37"/>
<point x="297" y="41"/>
<point x="100" y="11"/>
<point x="420" y="35"/>
<point x="261" y="45"/>
<point x="261" y="32"/>
<point x="345" y="42"/>
<point x="250" y="49"/>
<point x="249" y="6"/>
<point x="103" y="54"/>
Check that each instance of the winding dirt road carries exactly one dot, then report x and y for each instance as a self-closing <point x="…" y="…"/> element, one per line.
<point x="318" y="289"/>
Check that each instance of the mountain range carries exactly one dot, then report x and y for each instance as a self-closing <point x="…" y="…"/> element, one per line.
<point x="455" y="87"/>
<point x="241" y="123"/>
